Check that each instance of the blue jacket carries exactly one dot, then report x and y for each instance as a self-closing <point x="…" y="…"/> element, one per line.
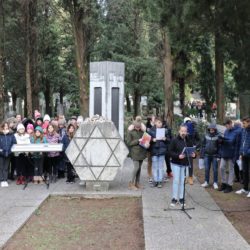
<point x="159" y="147"/>
<point x="245" y="143"/>
<point x="65" y="141"/>
<point x="6" y="142"/>
<point x="229" y="144"/>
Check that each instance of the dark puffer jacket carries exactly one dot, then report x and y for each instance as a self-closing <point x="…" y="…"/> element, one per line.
<point x="160" y="146"/>
<point x="238" y="130"/>
<point x="137" y="152"/>
<point x="176" y="147"/>
<point x="65" y="141"/>
<point x="245" y="143"/>
<point x="229" y="144"/>
<point x="6" y="142"/>
<point x="211" y="143"/>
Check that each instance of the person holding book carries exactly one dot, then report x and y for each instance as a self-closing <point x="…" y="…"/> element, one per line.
<point x="158" y="151"/>
<point x="180" y="161"/>
<point x="137" y="152"/>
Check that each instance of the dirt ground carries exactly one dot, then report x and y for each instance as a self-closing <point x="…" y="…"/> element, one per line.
<point x="235" y="207"/>
<point x="77" y="223"/>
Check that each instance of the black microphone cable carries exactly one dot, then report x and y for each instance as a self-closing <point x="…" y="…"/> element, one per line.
<point x="216" y="210"/>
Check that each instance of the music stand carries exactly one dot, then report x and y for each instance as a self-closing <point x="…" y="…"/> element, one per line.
<point x="26" y="182"/>
<point x="187" y="151"/>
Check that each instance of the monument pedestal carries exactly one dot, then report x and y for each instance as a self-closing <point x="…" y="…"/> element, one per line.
<point x="97" y="186"/>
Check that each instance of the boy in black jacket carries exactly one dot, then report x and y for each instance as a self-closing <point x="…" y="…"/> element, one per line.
<point x="210" y="154"/>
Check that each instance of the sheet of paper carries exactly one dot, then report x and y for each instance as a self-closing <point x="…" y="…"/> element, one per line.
<point x="160" y="133"/>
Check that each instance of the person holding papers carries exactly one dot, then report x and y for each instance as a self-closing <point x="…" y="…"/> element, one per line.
<point x="137" y="152"/>
<point x="158" y="150"/>
<point x="180" y="161"/>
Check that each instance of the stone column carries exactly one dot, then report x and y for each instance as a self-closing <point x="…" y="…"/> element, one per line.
<point x="107" y="92"/>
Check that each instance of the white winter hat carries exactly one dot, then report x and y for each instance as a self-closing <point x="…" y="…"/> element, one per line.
<point x="187" y="119"/>
<point x="79" y="119"/>
<point x="20" y="126"/>
<point x="46" y="118"/>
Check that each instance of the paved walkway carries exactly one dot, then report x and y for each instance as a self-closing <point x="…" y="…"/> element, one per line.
<point x="163" y="229"/>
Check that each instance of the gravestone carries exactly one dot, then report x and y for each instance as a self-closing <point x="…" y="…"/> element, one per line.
<point x="97" y="152"/>
<point x="107" y="92"/>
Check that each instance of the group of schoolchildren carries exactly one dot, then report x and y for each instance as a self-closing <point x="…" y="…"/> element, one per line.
<point x="228" y="151"/>
<point x="36" y="167"/>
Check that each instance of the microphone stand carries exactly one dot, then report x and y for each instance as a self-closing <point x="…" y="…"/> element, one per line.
<point x="183" y="209"/>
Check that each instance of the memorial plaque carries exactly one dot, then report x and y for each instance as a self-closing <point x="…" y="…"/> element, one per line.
<point x="115" y="107"/>
<point x="98" y="101"/>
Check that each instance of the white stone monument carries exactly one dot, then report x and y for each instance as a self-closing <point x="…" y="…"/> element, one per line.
<point x="97" y="152"/>
<point x="107" y="92"/>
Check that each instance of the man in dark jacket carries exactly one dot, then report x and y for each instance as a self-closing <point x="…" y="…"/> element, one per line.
<point x="228" y="157"/>
<point x="245" y="156"/>
<point x="210" y="154"/>
<point x="179" y="162"/>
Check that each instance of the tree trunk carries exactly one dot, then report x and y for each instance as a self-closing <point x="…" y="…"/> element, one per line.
<point x="27" y="72"/>
<point x="128" y="103"/>
<point x="61" y="94"/>
<point x="168" y="84"/>
<point x="81" y="59"/>
<point x="219" y="78"/>
<point x="47" y="94"/>
<point x="32" y="87"/>
<point x="33" y="42"/>
<point x="182" y="95"/>
<point x="137" y="101"/>
<point x="1" y="60"/>
<point x="14" y="100"/>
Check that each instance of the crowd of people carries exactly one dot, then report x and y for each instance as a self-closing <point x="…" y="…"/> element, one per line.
<point x="228" y="152"/>
<point x="36" y="167"/>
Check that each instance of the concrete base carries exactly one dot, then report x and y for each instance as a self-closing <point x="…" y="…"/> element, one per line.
<point x="97" y="186"/>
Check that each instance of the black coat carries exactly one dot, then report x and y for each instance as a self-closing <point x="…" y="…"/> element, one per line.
<point x="6" y="143"/>
<point x="176" y="147"/>
<point x="159" y="147"/>
<point x="211" y="145"/>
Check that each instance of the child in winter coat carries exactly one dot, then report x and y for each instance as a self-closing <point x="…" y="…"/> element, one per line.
<point x="210" y="154"/>
<point x="158" y="151"/>
<point x="22" y="163"/>
<point x="180" y="161"/>
<point x="7" y="139"/>
<point x="38" y="157"/>
<point x="66" y="141"/>
<point x="61" y="131"/>
<point x="30" y="129"/>
<point x="53" y="157"/>
<point x="138" y="153"/>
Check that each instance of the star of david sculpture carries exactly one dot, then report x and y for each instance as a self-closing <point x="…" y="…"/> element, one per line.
<point x="97" y="152"/>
